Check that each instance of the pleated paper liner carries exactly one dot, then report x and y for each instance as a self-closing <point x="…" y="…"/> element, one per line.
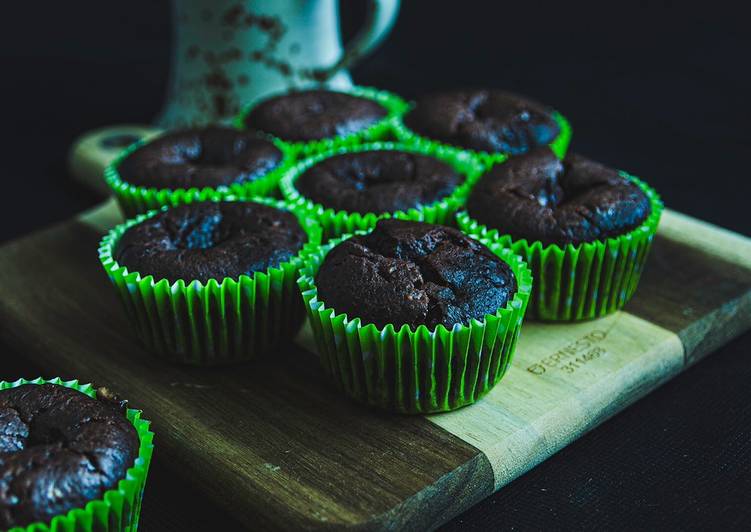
<point x="222" y="321"/>
<point x="135" y="200"/>
<point x="119" y="508"/>
<point x="380" y="130"/>
<point x="586" y="281"/>
<point x="415" y="371"/>
<point x="487" y="159"/>
<point x="336" y="223"/>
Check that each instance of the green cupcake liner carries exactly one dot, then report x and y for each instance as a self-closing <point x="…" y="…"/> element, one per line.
<point x="559" y="145"/>
<point x="119" y="508"/>
<point x="135" y="200"/>
<point x="415" y="371"/>
<point x="586" y="281"/>
<point x="219" y="322"/>
<point x="381" y="130"/>
<point x="336" y="223"/>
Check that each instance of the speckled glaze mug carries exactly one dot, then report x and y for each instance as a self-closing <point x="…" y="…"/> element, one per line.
<point x="228" y="53"/>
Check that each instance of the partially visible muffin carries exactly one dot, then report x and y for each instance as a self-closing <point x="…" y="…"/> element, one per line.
<point x="538" y="197"/>
<point x="314" y="115"/>
<point x="378" y="181"/>
<point x="414" y="273"/>
<point x="208" y="157"/>
<point x="59" y="449"/>
<point x="483" y="120"/>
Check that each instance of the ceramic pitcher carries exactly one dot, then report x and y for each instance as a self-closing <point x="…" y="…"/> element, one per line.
<point x="228" y="53"/>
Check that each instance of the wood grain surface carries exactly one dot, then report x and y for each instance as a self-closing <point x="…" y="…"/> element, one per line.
<point x="274" y="446"/>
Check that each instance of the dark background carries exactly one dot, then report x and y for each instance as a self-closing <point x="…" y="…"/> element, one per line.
<point x="660" y="91"/>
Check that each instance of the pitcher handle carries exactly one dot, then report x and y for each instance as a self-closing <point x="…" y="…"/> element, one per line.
<point x="380" y="19"/>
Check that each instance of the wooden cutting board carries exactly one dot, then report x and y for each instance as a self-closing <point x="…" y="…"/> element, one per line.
<point x="274" y="446"/>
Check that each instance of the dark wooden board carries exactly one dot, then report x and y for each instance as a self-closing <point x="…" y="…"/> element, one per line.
<point x="273" y="445"/>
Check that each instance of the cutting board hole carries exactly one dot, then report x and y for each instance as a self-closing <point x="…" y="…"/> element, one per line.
<point x="118" y="141"/>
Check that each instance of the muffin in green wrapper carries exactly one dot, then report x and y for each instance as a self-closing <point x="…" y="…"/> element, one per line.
<point x="414" y="317"/>
<point x="584" y="229"/>
<point x="316" y="120"/>
<point x="189" y="165"/>
<point x="490" y="124"/>
<point x="211" y="283"/>
<point x="52" y="431"/>
<point x="348" y="189"/>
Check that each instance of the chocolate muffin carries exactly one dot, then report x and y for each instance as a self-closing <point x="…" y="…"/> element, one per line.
<point x="537" y="197"/>
<point x="314" y="115"/>
<point x="414" y="273"/>
<point x="483" y="120"/>
<point x="378" y="181"/>
<point x="210" y="240"/>
<point x="209" y="157"/>
<point x="59" y="449"/>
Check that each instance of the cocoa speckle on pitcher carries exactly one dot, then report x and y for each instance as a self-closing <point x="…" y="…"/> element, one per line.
<point x="218" y="80"/>
<point x="233" y="15"/>
<point x="220" y="104"/>
<point x="193" y="52"/>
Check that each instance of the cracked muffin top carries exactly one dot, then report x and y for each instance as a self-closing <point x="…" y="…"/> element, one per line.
<point x="207" y="157"/>
<point x="210" y="240"/>
<point x="378" y="181"/>
<point x="538" y="197"/>
<point x="414" y="273"/>
<point x="59" y="449"/>
<point x="314" y="115"/>
<point x="483" y="120"/>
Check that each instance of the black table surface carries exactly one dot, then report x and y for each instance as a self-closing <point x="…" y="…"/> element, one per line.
<point x="660" y="91"/>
